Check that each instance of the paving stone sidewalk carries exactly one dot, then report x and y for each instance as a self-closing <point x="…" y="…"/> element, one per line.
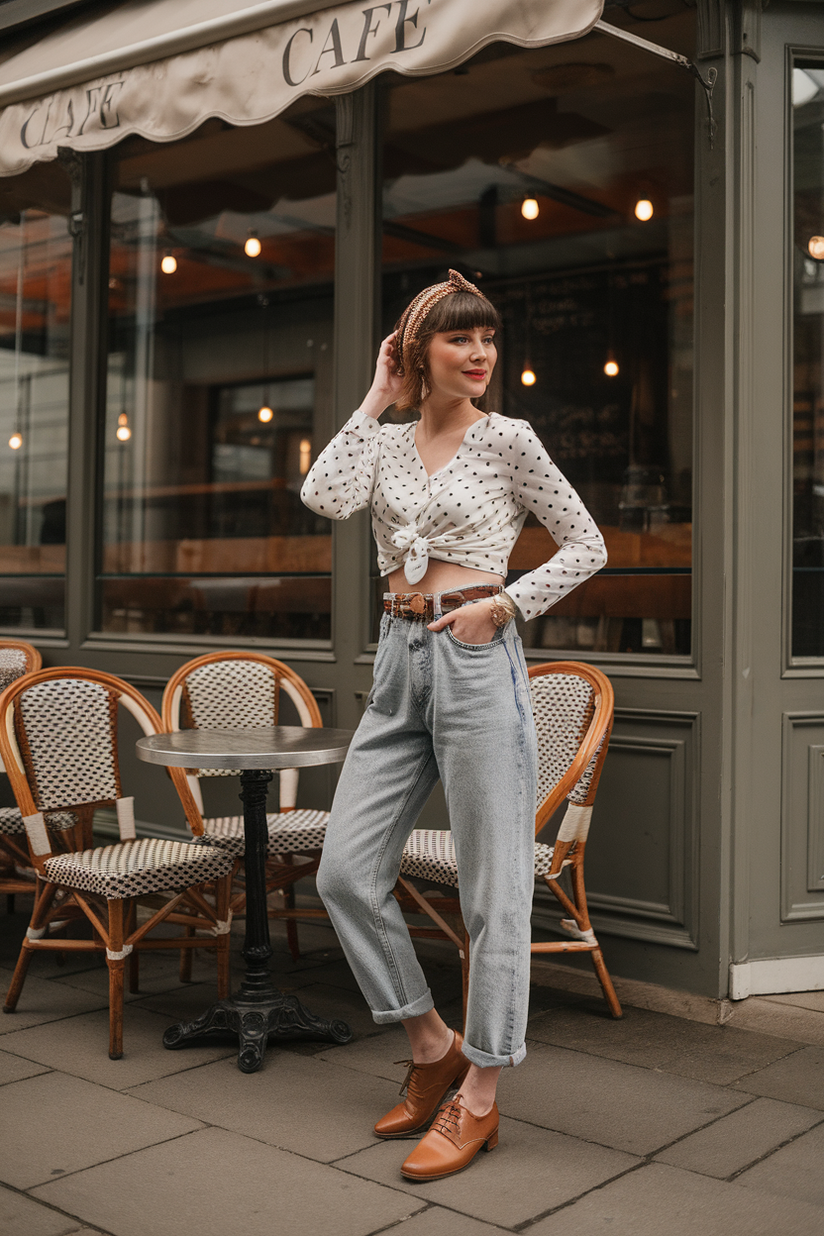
<point x="654" y="1125"/>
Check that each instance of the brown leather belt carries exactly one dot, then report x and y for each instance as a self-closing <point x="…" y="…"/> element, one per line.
<point x="420" y="606"/>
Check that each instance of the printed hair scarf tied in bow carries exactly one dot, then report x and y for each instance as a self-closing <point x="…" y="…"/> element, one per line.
<point x="417" y="546"/>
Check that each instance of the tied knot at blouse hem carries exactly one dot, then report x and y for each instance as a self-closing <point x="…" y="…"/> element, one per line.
<point x="470" y="512"/>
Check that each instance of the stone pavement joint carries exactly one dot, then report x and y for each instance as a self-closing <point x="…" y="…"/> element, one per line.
<point x="573" y="1201"/>
<point x="20" y="1216"/>
<point x="657" y="1125"/>
<point x="768" y="1154"/>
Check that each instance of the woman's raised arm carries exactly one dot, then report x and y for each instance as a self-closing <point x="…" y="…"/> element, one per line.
<point x="341" y="479"/>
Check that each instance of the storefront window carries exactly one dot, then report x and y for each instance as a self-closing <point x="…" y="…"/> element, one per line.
<point x="561" y="180"/>
<point x="808" y="361"/>
<point x="220" y="330"/>
<point x="35" y="301"/>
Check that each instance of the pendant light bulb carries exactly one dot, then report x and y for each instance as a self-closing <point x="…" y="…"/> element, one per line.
<point x="530" y="208"/>
<point x="16" y="440"/>
<point x="123" y="433"/>
<point x="252" y="247"/>
<point x="815" y="248"/>
<point x="528" y="375"/>
<point x="644" y="209"/>
<point x="265" y="414"/>
<point x="611" y="368"/>
<point x="305" y="459"/>
<point x="168" y="264"/>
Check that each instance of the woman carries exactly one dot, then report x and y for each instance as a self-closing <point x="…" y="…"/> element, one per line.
<point x="449" y="494"/>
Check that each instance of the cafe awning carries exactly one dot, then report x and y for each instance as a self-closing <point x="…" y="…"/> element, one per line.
<point x="159" y="68"/>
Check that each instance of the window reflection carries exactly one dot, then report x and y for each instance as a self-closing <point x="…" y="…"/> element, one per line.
<point x="35" y="300"/>
<point x="222" y="257"/>
<point x="562" y="180"/>
<point x="808" y="377"/>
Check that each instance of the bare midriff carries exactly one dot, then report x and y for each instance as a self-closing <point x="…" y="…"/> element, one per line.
<point x="440" y="577"/>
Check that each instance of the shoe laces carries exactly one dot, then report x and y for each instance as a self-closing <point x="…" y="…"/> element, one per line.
<point x="409" y="1082"/>
<point x="410" y="1069"/>
<point x="448" y="1118"/>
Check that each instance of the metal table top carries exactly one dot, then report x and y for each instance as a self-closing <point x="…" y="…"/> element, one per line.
<point x="275" y="746"/>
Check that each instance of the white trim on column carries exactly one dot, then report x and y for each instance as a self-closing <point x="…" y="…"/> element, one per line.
<point x="775" y="976"/>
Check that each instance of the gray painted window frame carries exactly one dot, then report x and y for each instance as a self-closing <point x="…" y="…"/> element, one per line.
<point x="793" y="667"/>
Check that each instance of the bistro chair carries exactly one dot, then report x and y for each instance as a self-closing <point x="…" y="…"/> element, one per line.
<point x="573" y="706"/>
<point x="58" y="740"/>
<point x="16" y="659"/>
<point x="241" y="690"/>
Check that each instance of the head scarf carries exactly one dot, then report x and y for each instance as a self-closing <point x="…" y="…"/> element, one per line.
<point x="415" y="315"/>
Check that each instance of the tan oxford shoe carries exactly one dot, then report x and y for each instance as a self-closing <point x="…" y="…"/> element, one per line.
<point x="453" y="1141"/>
<point x="426" y="1085"/>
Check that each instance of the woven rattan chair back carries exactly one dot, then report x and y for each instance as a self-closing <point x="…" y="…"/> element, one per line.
<point x="66" y="729"/>
<point x="61" y="733"/>
<point x="16" y="659"/>
<point x="573" y="707"/>
<point x="237" y="690"/>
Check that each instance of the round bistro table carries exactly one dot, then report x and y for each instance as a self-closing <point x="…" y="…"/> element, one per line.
<point x="259" y="1010"/>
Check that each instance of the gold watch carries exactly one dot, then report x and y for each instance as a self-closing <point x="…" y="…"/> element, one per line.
<point x="503" y="609"/>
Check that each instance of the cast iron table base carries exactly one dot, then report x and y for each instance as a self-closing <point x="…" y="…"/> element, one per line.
<point x="255" y="1022"/>
<point x="259" y="1011"/>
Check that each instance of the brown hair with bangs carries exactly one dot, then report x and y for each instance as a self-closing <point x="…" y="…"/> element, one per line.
<point x="458" y="311"/>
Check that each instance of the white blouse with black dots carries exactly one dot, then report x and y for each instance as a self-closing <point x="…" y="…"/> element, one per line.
<point x="469" y="512"/>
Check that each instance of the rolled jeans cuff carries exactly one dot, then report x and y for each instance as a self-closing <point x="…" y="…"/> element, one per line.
<point x="422" y="1005"/>
<point x="484" y="1060"/>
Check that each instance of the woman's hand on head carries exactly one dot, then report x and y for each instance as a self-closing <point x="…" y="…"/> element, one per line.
<point x="471" y="624"/>
<point x="387" y="383"/>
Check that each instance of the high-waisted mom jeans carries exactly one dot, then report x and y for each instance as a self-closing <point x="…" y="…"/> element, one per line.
<point x="439" y="707"/>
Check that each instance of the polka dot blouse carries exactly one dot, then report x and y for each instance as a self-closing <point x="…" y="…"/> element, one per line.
<point x="469" y="512"/>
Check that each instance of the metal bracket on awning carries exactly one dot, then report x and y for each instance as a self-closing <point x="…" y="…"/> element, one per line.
<point x="655" y="49"/>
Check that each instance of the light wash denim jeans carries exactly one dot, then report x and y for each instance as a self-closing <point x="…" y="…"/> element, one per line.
<point x="461" y="711"/>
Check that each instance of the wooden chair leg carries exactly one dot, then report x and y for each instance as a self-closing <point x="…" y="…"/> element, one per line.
<point x="117" y="967"/>
<point x="237" y="901"/>
<point x="43" y="897"/>
<point x="223" y="896"/>
<point x="606" y="983"/>
<point x="134" y="973"/>
<point x="289" y="904"/>
<point x="186" y="960"/>
<point x="18" y="978"/>
<point x="134" y="956"/>
<point x="580" y="896"/>
<point x="291" y="925"/>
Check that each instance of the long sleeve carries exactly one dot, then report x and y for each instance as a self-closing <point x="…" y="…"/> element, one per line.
<point x="341" y="479"/>
<point x="539" y="487"/>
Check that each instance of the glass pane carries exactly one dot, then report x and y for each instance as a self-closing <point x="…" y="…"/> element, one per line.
<point x="808" y="378"/>
<point x="561" y="180"/>
<point x="35" y="302"/>
<point x="220" y="332"/>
